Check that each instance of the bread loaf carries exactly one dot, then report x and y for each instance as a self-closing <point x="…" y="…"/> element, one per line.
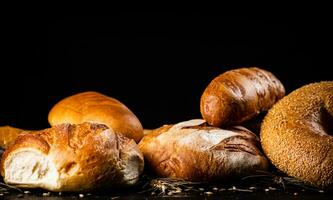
<point x="72" y="158"/>
<point x="97" y="108"/>
<point x="192" y="151"/>
<point x="238" y="95"/>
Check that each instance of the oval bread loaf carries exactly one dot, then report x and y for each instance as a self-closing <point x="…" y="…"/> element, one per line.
<point x="239" y="95"/>
<point x="192" y="151"/>
<point x="97" y="108"/>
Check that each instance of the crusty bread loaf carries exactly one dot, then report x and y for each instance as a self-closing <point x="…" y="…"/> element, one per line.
<point x="98" y="108"/>
<point x="296" y="134"/>
<point x="72" y="158"/>
<point x="192" y="151"/>
<point x="239" y="95"/>
<point x="8" y="134"/>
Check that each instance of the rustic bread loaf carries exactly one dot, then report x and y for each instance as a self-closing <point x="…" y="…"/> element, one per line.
<point x="72" y="158"/>
<point x="192" y="151"/>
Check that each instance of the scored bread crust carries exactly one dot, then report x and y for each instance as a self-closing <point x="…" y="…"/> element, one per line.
<point x="238" y="95"/>
<point x="192" y="151"/>
<point x="72" y="158"/>
<point x="98" y="108"/>
<point x="296" y="134"/>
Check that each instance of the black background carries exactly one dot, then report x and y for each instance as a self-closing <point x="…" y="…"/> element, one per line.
<point x="156" y="64"/>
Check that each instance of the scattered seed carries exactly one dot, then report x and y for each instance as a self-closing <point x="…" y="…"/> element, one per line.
<point x="201" y="189"/>
<point x="46" y="194"/>
<point x="19" y="196"/>
<point x="152" y="193"/>
<point x="252" y="188"/>
<point x="1" y="194"/>
<point x="321" y="191"/>
<point x="170" y="193"/>
<point x="209" y="193"/>
<point x="26" y="192"/>
<point x="88" y="194"/>
<point x="59" y="193"/>
<point x="178" y="190"/>
<point x="233" y="188"/>
<point x="271" y="188"/>
<point x="243" y="190"/>
<point x="81" y="195"/>
<point x="295" y="193"/>
<point x="188" y="189"/>
<point x="222" y="189"/>
<point x="115" y="197"/>
<point x="215" y="189"/>
<point x="303" y="190"/>
<point x="266" y="190"/>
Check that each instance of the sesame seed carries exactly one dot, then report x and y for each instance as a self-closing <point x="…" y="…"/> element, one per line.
<point x="81" y="195"/>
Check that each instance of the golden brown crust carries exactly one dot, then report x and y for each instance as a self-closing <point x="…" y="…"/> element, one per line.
<point x="98" y="108"/>
<point x="193" y="151"/>
<point x="8" y="134"/>
<point x="86" y="156"/>
<point x="296" y="134"/>
<point x="238" y="95"/>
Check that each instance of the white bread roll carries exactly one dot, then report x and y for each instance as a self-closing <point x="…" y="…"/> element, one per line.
<point x="72" y="158"/>
<point x="192" y="151"/>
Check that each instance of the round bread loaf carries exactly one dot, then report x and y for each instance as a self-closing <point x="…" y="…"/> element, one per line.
<point x="296" y="134"/>
<point x="192" y="151"/>
<point x="239" y="95"/>
<point x="97" y="108"/>
<point x="68" y="157"/>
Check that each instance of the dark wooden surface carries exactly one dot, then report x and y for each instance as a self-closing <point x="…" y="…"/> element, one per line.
<point x="264" y="187"/>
